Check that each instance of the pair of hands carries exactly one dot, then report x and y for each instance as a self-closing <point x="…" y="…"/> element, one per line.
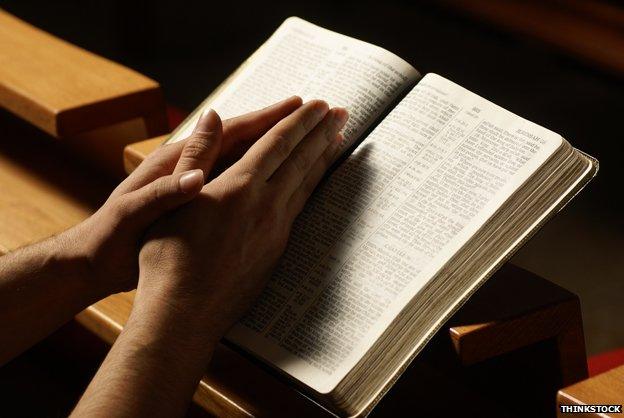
<point x="206" y="249"/>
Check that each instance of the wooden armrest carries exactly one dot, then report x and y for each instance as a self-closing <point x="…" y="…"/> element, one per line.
<point x="604" y="389"/>
<point x="66" y="90"/>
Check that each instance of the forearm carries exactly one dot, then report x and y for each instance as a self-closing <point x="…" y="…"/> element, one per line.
<point x="42" y="286"/>
<point x="154" y="366"/>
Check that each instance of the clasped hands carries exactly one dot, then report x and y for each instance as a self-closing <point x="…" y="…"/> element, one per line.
<point x="202" y="222"/>
<point x="197" y="229"/>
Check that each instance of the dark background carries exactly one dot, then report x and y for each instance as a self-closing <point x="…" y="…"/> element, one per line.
<point x="190" y="47"/>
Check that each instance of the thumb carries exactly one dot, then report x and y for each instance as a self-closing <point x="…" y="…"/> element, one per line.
<point x="203" y="147"/>
<point x="144" y="206"/>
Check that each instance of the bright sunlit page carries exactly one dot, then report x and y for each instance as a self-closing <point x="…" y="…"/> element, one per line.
<point x="409" y="197"/>
<point x="306" y="60"/>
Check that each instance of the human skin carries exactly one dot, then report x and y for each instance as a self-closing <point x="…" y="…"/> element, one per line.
<point x="204" y="264"/>
<point x="44" y="285"/>
<point x="200" y="224"/>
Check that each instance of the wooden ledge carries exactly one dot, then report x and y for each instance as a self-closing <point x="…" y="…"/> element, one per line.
<point x="519" y="310"/>
<point x="235" y="386"/>
<point x="135" y="153"/>
<point x="65" y="90"/>
<point x="604" y="389"/>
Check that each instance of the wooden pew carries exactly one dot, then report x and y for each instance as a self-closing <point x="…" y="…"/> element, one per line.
<point x="604" y="389"/>
<point x="93" y="104"/>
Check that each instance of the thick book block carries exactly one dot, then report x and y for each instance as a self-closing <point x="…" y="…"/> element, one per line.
<point x="65" y="90"/>
<point x="604" y="389"/>
<point x="235" y="385"/>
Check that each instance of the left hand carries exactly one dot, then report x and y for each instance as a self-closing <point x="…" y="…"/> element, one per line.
<point x="108" y="242"/>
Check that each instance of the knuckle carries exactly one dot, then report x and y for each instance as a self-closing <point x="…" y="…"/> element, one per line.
<point x="246" y="181"/>
<point x="282" y="145"/>
<point x="159" y="189"/>
<point x="121" y="208"/>
<point x="305" y="124"/>
<point x="241" y="192"/>
<point x="301" y="162"/>
<point x="198" y="147"/>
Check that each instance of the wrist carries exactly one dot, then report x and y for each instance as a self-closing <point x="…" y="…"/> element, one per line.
<point x="170" y="310"/>
<point x="164" y="324"/>
<point x="70" y="254"/>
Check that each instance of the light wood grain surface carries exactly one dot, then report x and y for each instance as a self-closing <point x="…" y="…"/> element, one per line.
<point x="66" y="90"/>
<point x="135" y="153"/>
<point x="605" y="389"/>
<point x="44" y="187"/>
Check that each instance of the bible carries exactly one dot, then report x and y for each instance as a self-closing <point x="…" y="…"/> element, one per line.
<point x="437" y="187"/>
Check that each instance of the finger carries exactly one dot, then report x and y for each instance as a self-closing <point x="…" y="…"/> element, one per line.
<point x="242" y="131"/>
<point x="270" y="151"/>
<point x="291" y="173"/>
<point x="201" y="149"/>
<point x="142" y="207"/>
<point x="302" y="194"/>
<point x="161" y="162"/>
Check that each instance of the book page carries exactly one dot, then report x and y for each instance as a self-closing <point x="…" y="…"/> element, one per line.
<point x="408" y="198"/>
<point x="306" y="60"/>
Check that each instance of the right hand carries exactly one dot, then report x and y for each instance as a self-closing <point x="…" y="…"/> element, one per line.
<point x="210" y="259"/>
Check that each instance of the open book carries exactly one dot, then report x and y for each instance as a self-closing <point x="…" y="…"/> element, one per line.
<point x="438" y="187"/>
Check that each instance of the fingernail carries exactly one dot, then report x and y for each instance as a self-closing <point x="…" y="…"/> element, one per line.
<point x="206" y="121"/>
<point x="321" y="109"/>
<point x="292" y="98"/>
<point x="191" y="181"/>
<point x="341" y="116"/>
